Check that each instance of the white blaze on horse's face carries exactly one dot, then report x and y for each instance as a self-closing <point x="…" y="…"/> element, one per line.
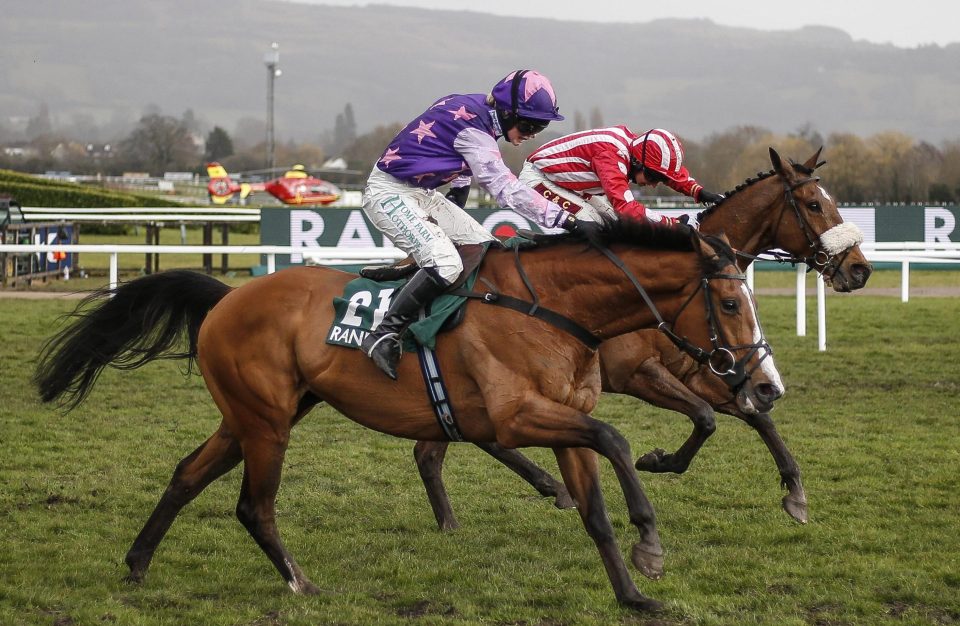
<point x="825" y="194"/>
<point x="767" y="366"/>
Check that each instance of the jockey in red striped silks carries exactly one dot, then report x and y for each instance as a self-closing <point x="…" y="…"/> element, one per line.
<point x="589" y="173"/>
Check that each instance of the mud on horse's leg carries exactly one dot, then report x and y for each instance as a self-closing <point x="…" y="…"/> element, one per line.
<point x="212" y="459"/>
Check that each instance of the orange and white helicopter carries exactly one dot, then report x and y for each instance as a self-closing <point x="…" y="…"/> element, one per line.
<point x="296" y="186"/>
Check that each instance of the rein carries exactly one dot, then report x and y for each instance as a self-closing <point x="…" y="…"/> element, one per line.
<point x="734" y="374"/>
<point x="533" y="309"/>
<point x="720" y="359"/>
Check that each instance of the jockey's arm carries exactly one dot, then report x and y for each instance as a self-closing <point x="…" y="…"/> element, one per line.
<point x="689" y="187"/>
<point x="612" y="173"/>
<point x="482" y="154"/>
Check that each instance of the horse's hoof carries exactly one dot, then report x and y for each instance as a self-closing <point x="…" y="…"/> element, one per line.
<point x="795" y="508"/>
<point x="563" y="499"/>
<point x="643" y="604"/>
<point x="133" y="578"/>
<point x="647" y="562"/>
<point x="652" y="461"/>
<point x="304" y="587"/>
<point x="448" y="524"/>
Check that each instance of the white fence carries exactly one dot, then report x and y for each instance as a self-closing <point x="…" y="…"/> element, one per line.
<point x="904" y="253"/>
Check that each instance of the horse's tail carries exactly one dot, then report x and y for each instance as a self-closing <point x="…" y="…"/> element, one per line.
<point x="126" y="327"/>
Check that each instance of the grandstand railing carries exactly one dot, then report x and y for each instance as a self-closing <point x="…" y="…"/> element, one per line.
<point x="905" y="253"/>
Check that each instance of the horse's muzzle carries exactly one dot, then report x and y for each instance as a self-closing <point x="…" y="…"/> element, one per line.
<point x="851" y="278"/>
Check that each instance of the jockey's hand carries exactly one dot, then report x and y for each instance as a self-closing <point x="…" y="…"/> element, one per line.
<point x="585" y="228"/>
<point x="458" y="195"/>
<point x="708" y="197"/>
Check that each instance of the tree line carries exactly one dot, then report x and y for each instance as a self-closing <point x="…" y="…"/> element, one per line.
<point x="887" y="167"/>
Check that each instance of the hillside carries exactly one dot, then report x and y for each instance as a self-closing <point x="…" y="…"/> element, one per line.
<point x="111" y="59"/>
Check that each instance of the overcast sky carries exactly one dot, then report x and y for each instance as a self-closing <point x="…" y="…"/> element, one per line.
<point x="903" y="23"/>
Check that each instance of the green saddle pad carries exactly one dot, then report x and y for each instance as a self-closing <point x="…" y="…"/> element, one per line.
<point x="365" y="301"/>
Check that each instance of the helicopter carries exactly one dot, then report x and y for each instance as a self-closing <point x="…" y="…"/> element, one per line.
<point x="296" y="187"/>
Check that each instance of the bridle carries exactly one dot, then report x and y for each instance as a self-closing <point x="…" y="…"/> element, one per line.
<point x="823" y="262"/>
<point x="721" y="358"/>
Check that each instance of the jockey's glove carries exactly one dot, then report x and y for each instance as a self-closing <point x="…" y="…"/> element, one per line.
<point x="458" y="195"/>
<point x="587" y="229"/>
<point x="708" y="197"/>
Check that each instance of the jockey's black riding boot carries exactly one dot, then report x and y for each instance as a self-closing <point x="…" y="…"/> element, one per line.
<point x="383" y="344"/>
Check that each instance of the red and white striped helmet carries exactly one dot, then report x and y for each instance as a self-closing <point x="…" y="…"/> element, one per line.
<point x="661" y="151"/>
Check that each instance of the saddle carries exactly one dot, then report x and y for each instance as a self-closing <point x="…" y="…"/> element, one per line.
<point x="470" y="255"/>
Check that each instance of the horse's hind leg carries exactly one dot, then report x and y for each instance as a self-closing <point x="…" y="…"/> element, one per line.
<point x="263" y="461"/>
<point x="540" y="479"/>
<point x="429" y="456"/>
<point x="216" y="456"/>
<point x="582" y="477"/>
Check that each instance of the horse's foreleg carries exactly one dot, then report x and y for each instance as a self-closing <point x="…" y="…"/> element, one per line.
<point x="263" y="461"/>
<point x="541" y="480"/>
<point x="216" y="456"/>
<point x="795" y="502"/>
<point x="581" y="475"/>
<point x="429" y="457"/>
<point x="542" y="422"/>
<point x="653" y="383"/>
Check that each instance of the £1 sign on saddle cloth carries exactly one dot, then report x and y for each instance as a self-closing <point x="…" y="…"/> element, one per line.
<point x="364" y="303"/>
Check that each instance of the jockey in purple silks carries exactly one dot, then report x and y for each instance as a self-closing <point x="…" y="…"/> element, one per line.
<point x="454" y="140"/>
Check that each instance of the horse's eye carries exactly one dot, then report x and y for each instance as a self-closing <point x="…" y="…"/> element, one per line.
<point x="814" y="206"/>
<point x="729" y="306"/>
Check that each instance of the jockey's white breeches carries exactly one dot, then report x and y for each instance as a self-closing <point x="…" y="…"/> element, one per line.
<point x="421" y="222"/>
<point x="589" y="209"/>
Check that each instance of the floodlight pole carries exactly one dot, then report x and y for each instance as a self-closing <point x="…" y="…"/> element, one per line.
<point x="272" y="61"/>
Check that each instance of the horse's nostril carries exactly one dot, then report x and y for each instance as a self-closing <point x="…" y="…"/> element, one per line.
<point x="862" y="272"/>
<point x="767" y="392"/>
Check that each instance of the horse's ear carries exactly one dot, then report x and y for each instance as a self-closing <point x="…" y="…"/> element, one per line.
<point x="775" y="159"/>
<point x="812" y="162"/>
<point x="701" y="245"/>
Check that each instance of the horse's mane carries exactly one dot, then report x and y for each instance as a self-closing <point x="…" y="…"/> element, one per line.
<point x="806" y="171"/>
<point x="628" y="230"/>
<point x="652" y="235"/>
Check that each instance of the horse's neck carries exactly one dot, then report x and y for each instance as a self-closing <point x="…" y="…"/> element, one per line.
<point x="749" y="218"/>
<point x="588" y="288"/>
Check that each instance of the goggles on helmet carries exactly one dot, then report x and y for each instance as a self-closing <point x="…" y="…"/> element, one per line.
<point x="528" y="126"/>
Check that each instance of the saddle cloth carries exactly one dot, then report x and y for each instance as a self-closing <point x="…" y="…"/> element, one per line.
<point x="364" y="302"/>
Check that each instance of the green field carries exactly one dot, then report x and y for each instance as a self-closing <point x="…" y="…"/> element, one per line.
<point x="872" y="422"/>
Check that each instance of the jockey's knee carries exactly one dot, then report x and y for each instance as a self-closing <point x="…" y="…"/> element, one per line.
<point x="446" y="265"/>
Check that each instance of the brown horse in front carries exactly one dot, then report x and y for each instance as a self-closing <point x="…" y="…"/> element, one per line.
<point x="785" y="209"/>
<point x="513" y="379"/>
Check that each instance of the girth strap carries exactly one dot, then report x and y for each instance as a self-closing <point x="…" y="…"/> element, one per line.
<point x="437" y="392"/>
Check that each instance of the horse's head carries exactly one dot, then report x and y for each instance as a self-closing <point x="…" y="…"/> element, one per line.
<point x="809" y="226"/>
<point x="720" y="325"/>
<point x="788" y="209"/>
